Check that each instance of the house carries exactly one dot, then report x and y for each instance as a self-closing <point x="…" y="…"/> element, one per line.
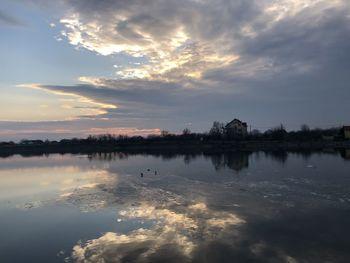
<point x="236" y="128"/>
<point x="346" y="132"/>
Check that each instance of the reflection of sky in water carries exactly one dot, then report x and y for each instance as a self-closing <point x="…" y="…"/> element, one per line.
<point x="195" y="208"/>
<point x="43" y="183"/>
<point x="177" y="229"/>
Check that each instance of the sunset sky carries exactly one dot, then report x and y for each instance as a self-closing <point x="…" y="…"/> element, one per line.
<point x="77" y="67"/>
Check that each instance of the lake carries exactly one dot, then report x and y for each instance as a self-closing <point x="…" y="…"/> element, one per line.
<point x="217" y="207"/>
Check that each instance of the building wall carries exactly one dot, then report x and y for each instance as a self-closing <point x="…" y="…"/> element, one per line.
<point x="237" y="128"/>
<point x="347" y="133"/>
<point x="347" y="154"/>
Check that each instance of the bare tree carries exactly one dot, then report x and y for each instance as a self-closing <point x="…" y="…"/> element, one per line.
<point x="255" y="132"/>
<point x="164" y="133"/>
<point x="304" y="128"/>
<point x="217" y="129"/>
<point x="186" y="131"/>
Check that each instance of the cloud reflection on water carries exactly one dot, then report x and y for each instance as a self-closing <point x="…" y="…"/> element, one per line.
<point x="177" y="231"/>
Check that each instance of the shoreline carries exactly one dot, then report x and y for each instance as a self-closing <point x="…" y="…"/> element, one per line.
<point x="171" y="146"/>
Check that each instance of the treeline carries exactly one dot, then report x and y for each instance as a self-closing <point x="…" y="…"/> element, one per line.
<point x="216" y="133"/>
<point x="278" y="133"/>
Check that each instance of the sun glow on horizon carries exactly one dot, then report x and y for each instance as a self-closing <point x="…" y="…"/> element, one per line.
<point x="73" y="108"/>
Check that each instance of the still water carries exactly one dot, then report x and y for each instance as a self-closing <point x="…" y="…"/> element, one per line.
<point x="229" y="207"/>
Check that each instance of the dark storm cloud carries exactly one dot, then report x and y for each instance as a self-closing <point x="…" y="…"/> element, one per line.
<point x="141" y="101"/>
<point x="300" y="39"/>
<point x="133" y="91"/>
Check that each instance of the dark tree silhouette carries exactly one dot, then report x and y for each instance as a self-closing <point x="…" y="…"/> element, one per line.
<point x="217" y="130"/>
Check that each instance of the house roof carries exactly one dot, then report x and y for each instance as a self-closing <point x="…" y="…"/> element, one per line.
<point x="237" y="120"/>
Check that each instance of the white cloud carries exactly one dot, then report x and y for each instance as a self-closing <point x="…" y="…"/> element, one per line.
<point x="186" y="39"/>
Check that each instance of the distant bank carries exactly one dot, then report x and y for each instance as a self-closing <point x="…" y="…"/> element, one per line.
<point x="82" y="146"/>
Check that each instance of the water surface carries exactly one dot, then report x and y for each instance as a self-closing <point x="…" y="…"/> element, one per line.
<point x="227" y="207"/>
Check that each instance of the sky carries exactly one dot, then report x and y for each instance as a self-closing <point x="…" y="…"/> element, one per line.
<point x="70" y="68"/>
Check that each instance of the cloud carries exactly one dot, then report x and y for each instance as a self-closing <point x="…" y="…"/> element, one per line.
<point x="187" y="38"/>
<point x="80" y="105"/>
<point x="8" y="20"/>
<point x="69" y="129"/>
<point x="198" y="61"/>
<point x="159" y="31"/>
<point x="144" y="101"/>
